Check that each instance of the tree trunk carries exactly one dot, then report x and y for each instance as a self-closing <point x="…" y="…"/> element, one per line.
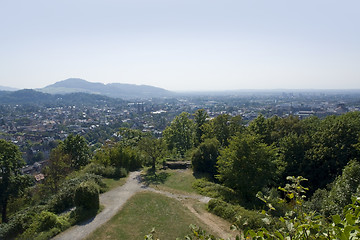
<point x="154" y="164"/>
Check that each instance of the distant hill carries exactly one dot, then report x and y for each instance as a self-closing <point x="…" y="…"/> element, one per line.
<point x="3" y="88"/>
<point x="115" y="90"/>
<point x="29" y="96"/>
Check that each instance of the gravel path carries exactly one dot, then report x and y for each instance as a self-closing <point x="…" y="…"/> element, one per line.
<point x="112" y="201"/>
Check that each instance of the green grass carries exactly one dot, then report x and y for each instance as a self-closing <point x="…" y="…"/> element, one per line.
<point x="146" y="211"/>
<point x="171" y="180"/>
<point x="112" y="183"/>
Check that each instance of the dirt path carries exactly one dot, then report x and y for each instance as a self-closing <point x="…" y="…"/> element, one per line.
<point x="219" y="226"/>
<point x="114" y="200"/>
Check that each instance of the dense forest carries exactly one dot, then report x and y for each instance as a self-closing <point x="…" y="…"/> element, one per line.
<point x="311" y="165"/>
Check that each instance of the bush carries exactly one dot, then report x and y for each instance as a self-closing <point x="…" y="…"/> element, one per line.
<point x="19" y="222"/>
<point x="204" y="157"/>
<point x="64" y="199"/>
<point x="105" y="171"/>
<point x="87" y="196"/>
<point x="58" y="203"/>
<point x="44" y="226"/>
<point x="214" y="190"/>
<point x="243" y="218"/>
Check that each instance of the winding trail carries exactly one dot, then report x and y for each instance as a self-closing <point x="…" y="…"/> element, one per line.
<point x="112" y="201"/>
<point x="115" y="199"/>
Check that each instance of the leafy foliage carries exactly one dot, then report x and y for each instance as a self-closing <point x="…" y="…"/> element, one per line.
<point x="87" y="196"/>
<point x="339" y="195"/>
<point x="154" y="149"/>
<point x="44" y="226"/>
<point x="75" y="146"/>
<point x="243" y="218"/>
<point x="247" y="165"/>
<point x="11" y="181"/>
<point x="119" y="156"/>
<point x="105" y="171"/>
<point x="204" y="157"/>
<point x="214" y="190"/>
<point x="179" y="135"/>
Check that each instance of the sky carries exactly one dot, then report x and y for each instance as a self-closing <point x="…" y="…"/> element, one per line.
<point x="182" y="45"/>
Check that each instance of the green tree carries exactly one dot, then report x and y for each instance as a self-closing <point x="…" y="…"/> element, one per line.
<point x="154" y="148"/>
<point x="76" y="147"/>
<point x="292" y="150"/>
<point x="204" y="157"/>
<point x="236" y="125"/>
<point x="223" y="127"/>
<point x="58" y="168"/>
<point x="247" y="165"/>
<point x="200" y="118"/>
<point x="12" y="182"/>
<point x="342" y="189"/>
<point x="131" y="137"/>
<point x="333" y="146"/>
<point x="261" y="127"/>
<point x="179" y="135"/>
<point x="119" y="156"/>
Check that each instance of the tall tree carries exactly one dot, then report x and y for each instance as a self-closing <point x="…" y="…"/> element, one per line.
<point x="12" y="182"/>
<point x="76" y="147"/>
<point x="154" y="148"/>
<point x="260" y="127"/>
<point x="204" y="157"/>
<point x="179" y="135"/>
<point x="200" y="117"/>
<point x="247" y="165"/>
<point x="334" y="145"/>
<point x="58" y="168"/>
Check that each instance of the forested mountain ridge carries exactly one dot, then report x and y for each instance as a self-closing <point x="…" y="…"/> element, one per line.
<point x="115" y="90"/>
<point x="30" y="96"/>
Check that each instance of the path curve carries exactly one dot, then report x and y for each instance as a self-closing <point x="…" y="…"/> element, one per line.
<point x="115" y="199"/>
<point x="112" y="201"/>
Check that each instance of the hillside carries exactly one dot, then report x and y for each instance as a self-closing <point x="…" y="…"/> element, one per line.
<point x="4" y="88"/>
<point x="115" y="90"/>
<point x="29" y="96"/>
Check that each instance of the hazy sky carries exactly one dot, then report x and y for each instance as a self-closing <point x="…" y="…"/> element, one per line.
<point x="182" y="44"/>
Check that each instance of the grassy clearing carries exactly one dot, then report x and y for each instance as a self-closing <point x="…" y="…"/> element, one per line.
<point x="171" y="180"/>
<point x="112" y="183"/>
<point x="145" y="211"/>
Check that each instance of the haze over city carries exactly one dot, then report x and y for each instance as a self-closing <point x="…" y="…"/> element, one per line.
<point x="182" y="45"/>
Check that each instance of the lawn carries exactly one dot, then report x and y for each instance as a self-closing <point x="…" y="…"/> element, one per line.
<point x="171" y="180"/>
<point x="146" y="211"/>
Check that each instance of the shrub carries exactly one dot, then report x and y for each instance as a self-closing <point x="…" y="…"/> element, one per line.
<point x="58" y="203"/>
<point x="245" y="219"/>
<point x="87" y="196"/>
<point x="19" y="222"/>
<point x="64" y="199"/>
<point x="44" y="226"/>
<point x="105" y="171"/>
<point x="204" y="157"/>
<point x="213" y="190"/>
